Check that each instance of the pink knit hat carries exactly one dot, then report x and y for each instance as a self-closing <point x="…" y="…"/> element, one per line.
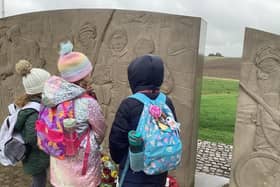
<point x="73" y="66"/>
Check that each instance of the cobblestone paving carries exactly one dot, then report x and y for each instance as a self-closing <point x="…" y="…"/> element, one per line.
<point x="213" y="158"/>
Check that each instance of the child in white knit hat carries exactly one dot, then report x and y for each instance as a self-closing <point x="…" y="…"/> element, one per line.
<point x="36" y="162"/>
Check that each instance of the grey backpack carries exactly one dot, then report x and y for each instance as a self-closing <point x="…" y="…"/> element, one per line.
<point x="12" y="147"/>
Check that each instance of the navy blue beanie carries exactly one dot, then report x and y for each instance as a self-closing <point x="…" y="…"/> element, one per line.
<point x="145" y="73"/>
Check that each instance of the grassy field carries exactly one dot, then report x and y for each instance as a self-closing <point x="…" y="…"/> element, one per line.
<point x="218" y="110"/>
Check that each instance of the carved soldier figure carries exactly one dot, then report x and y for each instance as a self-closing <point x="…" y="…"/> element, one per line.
<point x="263" y="161"/>
<point x="85" y="40"/>
<point x="267" y="120"/>
<point x="110" y="75"/>
<point x="21" y="48"/>
<point x="17" y="48"/>
<point x="147" y="46"/>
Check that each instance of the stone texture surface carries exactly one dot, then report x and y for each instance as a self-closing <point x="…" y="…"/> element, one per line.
<point x="111" y="39"/>
<point x="256" y="161"/>
<point x="213" y="158"/>
<point x="206" y="180"/>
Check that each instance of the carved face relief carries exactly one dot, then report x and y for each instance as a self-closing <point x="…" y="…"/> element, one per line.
<point x="269" y="66"/>
<point x="87" y="35"/>
<point x="261" y="75"/>
<point x="267" y="60"/>
<point x="268" y="69"/>
<point x="14" y="33"/>
<point x="144" y="46"/>
<point x="118" y="40"/>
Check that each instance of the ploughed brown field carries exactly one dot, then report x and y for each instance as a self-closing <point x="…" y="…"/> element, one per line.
<point x="219" y="67"/>
<point x="222" y="67"/>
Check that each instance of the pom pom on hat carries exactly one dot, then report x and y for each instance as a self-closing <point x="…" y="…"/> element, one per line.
<point x="73" y="66"/>
<point x="23" y="67"/>
<point x="65" y="48"/>
<point x="33" y="79"/>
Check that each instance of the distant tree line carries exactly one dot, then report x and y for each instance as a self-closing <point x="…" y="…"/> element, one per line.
<point x="217" y="54"/>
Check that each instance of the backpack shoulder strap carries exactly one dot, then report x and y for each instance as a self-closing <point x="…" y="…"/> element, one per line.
<point x="141" y="97"/>
<point x="12" y="108"/>
<point x="32" y="105"/>
<point x="124" y="172"/>
<point x="161" y="98"/>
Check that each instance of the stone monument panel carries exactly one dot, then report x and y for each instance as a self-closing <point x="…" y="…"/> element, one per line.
<point x="256" y="160"/>
<point x="112" y="39"/>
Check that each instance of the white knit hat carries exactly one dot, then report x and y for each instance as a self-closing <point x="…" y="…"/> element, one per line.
<point x="33" y="79"/>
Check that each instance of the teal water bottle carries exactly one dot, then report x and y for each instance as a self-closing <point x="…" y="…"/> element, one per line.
<point x="136" y="151"/>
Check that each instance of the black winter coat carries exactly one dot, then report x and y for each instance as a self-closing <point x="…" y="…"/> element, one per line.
<point x="128" y="115"/>
<point x="127" y="119"/>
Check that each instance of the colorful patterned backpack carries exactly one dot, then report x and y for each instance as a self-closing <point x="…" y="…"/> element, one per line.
<point x="51" y="136"/>
<point x="160" y="132"/>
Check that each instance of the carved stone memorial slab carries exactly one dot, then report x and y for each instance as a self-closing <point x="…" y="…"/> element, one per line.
<point x="256" y="157"/>
<point x="112" y="39"/>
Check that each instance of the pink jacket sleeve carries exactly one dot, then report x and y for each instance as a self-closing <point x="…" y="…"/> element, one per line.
<point x="96" y="120"/>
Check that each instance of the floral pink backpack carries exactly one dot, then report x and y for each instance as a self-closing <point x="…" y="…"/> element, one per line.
<point x="51" y="135"/>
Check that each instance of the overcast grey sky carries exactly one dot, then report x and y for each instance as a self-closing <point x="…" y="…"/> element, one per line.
<point x="226" y="19"/>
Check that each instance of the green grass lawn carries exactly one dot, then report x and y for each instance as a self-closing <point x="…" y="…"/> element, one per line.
<point x="218" y="110"/>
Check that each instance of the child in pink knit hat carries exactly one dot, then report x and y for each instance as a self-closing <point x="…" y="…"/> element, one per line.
<point x="74" y="81"/>
<point x="73" y="66"/>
